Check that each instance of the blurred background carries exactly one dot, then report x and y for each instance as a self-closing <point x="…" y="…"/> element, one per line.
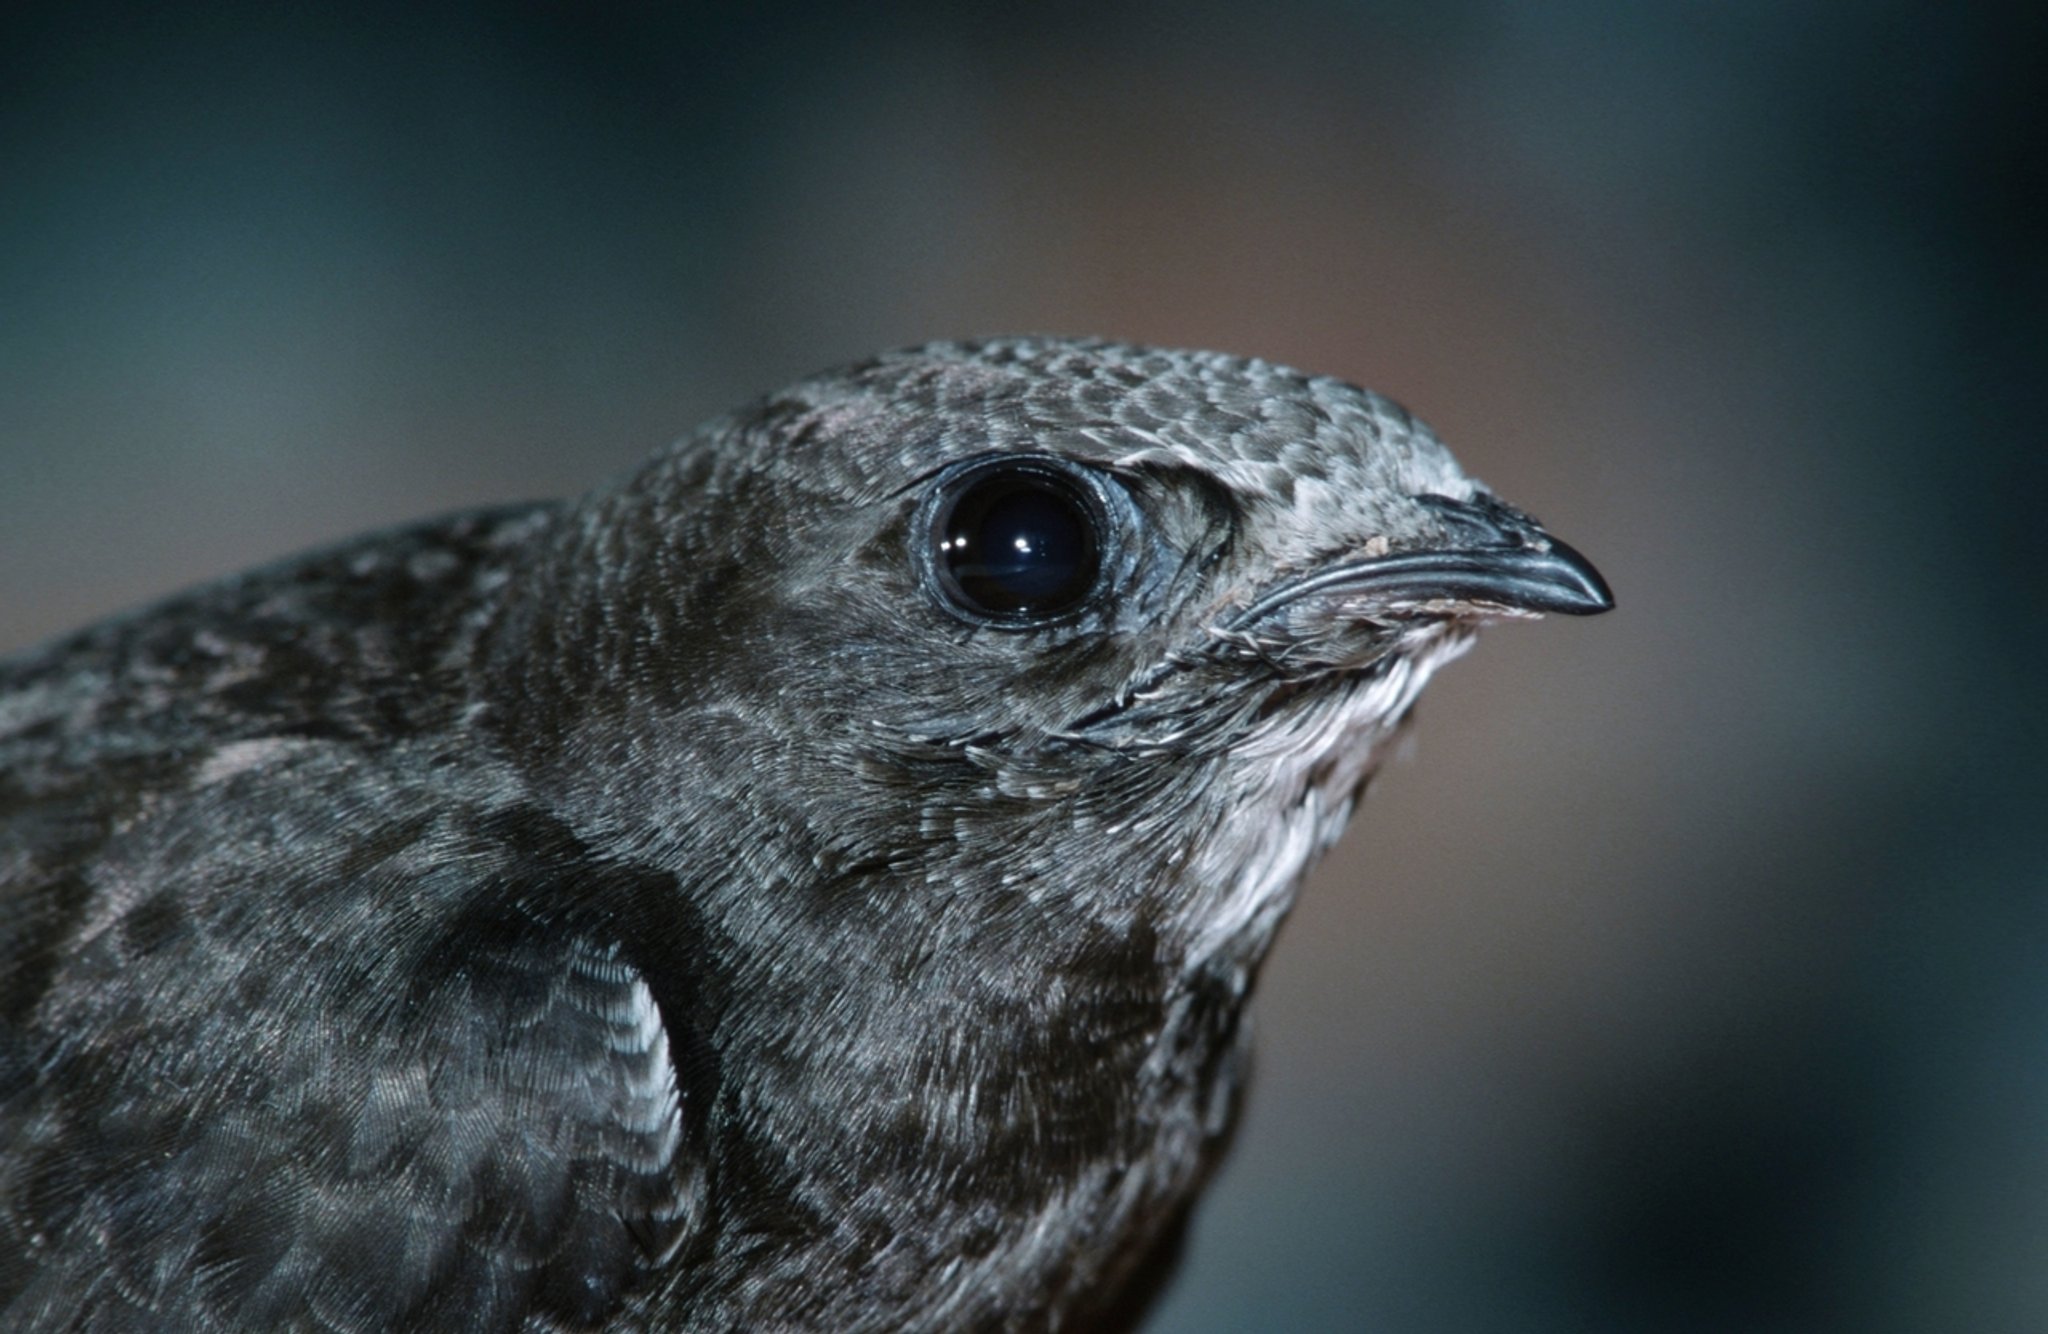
<point x="1691" y="973"/>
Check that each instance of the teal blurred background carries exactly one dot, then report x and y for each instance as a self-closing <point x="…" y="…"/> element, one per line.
<point x="1691" y="973"/>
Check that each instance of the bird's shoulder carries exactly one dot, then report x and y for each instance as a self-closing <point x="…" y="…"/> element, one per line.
<point x="319" y="665"/>
<point x="304" y="1019"/>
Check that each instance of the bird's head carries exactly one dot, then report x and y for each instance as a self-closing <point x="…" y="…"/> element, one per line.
<point x="980" y="600"/>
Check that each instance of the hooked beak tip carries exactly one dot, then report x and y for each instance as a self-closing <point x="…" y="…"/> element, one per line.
<point x="1569" y="581"/>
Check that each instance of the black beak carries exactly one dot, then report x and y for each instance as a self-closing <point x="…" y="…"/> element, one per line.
<point x="1496" y="558"/>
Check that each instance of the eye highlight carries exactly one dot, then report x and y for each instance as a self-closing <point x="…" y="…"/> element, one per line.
<point x="1018" y="542"/>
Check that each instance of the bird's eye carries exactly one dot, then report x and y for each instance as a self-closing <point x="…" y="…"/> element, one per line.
<point x="1018" y="541"/>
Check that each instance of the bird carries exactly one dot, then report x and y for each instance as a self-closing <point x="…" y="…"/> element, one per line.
<point x="814" y="881"/>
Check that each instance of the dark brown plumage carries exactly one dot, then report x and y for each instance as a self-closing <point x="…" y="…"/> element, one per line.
<point x="811" y="883"/>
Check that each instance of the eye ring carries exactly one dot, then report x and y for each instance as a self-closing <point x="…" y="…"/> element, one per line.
<point x="1017" y="541"/>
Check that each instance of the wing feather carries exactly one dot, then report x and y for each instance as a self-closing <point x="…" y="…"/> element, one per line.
<point x="458" y="1115"/>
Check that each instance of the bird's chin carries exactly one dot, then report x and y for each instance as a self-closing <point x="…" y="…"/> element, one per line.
<point x="1305" y="762"/>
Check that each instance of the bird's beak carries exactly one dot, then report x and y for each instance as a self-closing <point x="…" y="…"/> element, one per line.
<point x="1495" y="560"/>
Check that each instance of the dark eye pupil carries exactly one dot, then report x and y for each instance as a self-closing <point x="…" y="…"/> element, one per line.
<point x="1018" y="543"/>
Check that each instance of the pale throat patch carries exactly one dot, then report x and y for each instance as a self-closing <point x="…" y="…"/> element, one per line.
<point x="1303" y="772"/>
